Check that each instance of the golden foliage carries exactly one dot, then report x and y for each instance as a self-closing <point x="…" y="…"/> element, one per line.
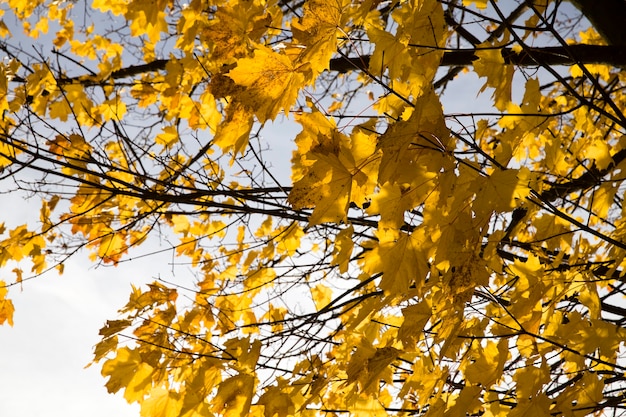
<point x="420" y="262"/>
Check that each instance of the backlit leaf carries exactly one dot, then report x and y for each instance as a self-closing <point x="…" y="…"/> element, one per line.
<point x="490" y="64"/>
<point x="161" y="403"/>
<point x="271" y="80"/>
<point x="6" y="306"/>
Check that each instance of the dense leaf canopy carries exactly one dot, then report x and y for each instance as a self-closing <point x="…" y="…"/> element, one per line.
<point x="414" y="260"/>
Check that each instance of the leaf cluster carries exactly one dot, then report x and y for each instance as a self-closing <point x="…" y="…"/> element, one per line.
<point x="414" y="260"/>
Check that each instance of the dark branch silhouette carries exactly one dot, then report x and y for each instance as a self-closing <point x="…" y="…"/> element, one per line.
<point x="549" y="55"/>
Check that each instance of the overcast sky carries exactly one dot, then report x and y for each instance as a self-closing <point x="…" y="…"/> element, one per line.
<point x="42" y="358"/>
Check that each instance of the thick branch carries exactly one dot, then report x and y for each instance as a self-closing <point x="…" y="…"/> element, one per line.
<point x="549" y="55"/>
<point x="133" y="70"/>
<point x="607" y="16"/>
<point x="552" y="55"/>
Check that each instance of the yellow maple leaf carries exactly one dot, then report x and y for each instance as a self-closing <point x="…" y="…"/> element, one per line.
<point x="321" y="295"/>
<point x="161" y="402"/>
<point x="139" y="383"/>
<point x="121" y="369"/>
<point x="332" y="170"/>
<point x="117" y="7"/>
<point x="389" y="49"/>
<point x="481" y="4"/>
<point x="599" y="151"/>
<point x="271" y="80"/>
<point x="6" y="305"/>
<point x="246" y="351"/>
<point x="367" y="406"/>
<point x="74" y="103"/>
<point x="4" y="30"/>
<point x="156" y="295"/>
<point x="415" y="318"/>
<point x="402" y="257"/>
<point x="234" y="395"/>
<point x="484" y="365"/>
<point x="258" y="278"/>
<point x="40" y="27"/>
<point x="326" y="187"/>
<point x="539" y="406"/>
<point x="289" y="239"/>
<point x="531" y="379"/>
<point x="377" y="367"/>
<point x="502" y="190"/>
<point x="233" y="27"/>
<point x="277" y="403"/>
<point x="168" y="137"/>
<point x="147" y="18"/>
<point x="415" y="147"/>
<point x="111" y="247"/>
<point x="102" y="348"/>
<point x="234" y="131"/>
<point x="342" y="251"/>
<point x="490" y="64"/>
<point x="113" y="109"/>
<point x="317" y="30"/>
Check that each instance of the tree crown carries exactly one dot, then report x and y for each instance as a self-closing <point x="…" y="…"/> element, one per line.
<point x="417" y="261"/>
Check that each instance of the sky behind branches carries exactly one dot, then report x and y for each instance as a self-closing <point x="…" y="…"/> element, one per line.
<point x="44" y="355"/>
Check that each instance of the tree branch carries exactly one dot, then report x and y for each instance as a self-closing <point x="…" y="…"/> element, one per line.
<point x="549" y="55"/>
<point x="602" y="15"/>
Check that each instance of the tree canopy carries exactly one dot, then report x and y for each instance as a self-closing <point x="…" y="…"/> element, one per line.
<point x="409" y="260"/>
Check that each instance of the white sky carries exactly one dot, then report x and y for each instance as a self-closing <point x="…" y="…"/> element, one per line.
<point x="42" y="358"/>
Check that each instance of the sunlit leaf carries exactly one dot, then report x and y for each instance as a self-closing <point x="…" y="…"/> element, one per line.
<point x="272" y="82"/>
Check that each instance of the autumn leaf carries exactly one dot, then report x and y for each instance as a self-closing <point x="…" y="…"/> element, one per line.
<point x="481" y="4"/>
<point x="424" y="251"/>
<point x="530" y="380"/>
<point x="231" y="30"/>
<point x="136" y="387"/>
<point x="113" y="109"/>
<point x="337" y="171"/>
<point x="538" y="406"/>
<point x="484" y="366"/>
<point x="490" y="64"/>
<point x="234" y="395"/>
<point x="401" y="53"/>
<point x="326" y="187"/>
<point x="317" y="31"/>
<point x="342" y="251"/>
<point x="367" y="406"/>
<point x="599" y="151"/>
<point x="321" y="295"/>
<point x="168" y="137"/>
<point x="272" y="82"/>
<point x="6" y="306"/>
<point x="114" y="326"/>
<point x="415" y="318"/>
<point x="502" y="190"/>
<point x="233" y="132"/>
<point x="161" y="403"/>
<point x="117" y="7"/>
<point x="121" y="369"/>
<point x="276" y="403"/>
<point x="402" y="258"/>
<point x="103" y="348"/>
